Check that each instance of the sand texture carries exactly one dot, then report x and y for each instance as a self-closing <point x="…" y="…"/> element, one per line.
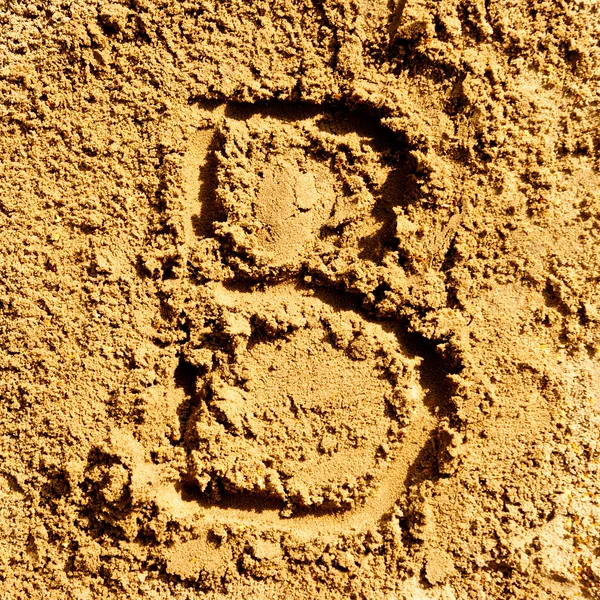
<point x="300" y="300"/>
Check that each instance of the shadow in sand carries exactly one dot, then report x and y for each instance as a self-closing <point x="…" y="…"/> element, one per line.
<point x="217" y="495"/>
<point x="438" y="389"/>
<point x="210" y="207"/>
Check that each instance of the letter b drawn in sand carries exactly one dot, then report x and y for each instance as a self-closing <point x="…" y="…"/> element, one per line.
<point x="302" y="408"/>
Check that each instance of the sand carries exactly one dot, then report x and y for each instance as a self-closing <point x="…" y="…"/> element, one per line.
<point x="300" y="300"/>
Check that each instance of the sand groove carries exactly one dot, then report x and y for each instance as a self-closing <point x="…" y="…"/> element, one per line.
<point x="306" y="414"/>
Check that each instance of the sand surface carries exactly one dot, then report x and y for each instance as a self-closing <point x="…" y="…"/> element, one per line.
<point x="300" y="300"/>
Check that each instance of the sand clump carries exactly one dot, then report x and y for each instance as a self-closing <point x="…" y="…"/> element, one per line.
<point x="299" y="300"/>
